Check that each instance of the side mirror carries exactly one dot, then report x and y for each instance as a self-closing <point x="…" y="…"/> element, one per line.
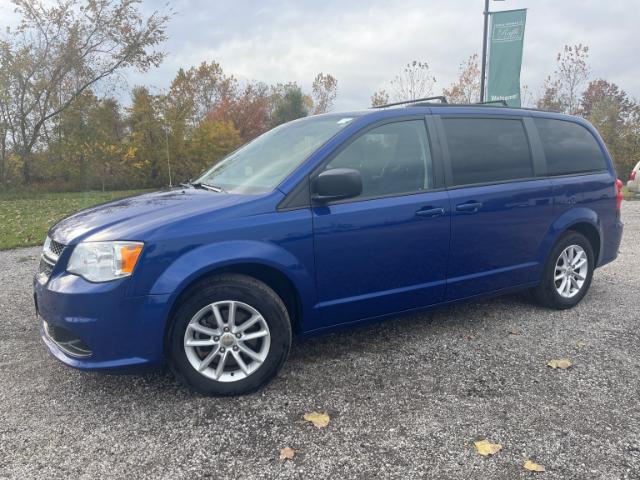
<point x="336" y="184"/>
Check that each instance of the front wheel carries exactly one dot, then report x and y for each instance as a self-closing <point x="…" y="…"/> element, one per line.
<point x="568" y="272"/>
<point x="230" y="336"/>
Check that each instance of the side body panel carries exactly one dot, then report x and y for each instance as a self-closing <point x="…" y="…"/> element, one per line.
<point x="377" y="256"/>
<point x="279" y="240"/>
<point x="588" y="198"/>
<point x="496" y="247"/>
<point x="384" y="254"/>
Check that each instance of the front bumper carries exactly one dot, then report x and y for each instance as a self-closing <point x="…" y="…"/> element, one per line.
<point x="117" y="331"/>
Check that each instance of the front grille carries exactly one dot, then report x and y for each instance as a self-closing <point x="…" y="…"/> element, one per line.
<point x="56" y="248"/>
<point x="53" y="249"/>
<point x="45" y="267"/>
<point x="50" y="254"/>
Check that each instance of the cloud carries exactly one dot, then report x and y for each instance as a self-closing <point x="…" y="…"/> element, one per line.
<point x="364" y="43"/>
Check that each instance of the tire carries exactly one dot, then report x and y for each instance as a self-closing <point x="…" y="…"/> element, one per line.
<point x="197" y="341"/>
<point x="547" y="293"/>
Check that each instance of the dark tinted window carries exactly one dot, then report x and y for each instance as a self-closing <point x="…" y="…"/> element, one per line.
<point x="569" y="147"/>
<point x="486" y="150"/>
<point x="392" y="159"/>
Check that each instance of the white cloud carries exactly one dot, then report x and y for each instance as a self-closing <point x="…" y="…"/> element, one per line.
<point x="364" y="43"/>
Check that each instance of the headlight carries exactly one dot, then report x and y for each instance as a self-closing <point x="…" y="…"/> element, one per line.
<point x="104" y="261"/>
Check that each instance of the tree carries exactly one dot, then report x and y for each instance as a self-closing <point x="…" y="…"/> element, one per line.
<point x="3" y="151"/>
<point x="289" y="103"/>
<point x="247" y="109"/>
<point x="85" y="147"/>
<point x="61" y="50"/>
<point x="527" y="98"/>
<point x="147" y="138"/>
<point x="105" y="148"/>
<point x="211" y="85"/>
<point x="414" y="81"/>
<point x="211" y="141"/>
<point x="4" y="127"/>
<point x="550" y="99"/>
<point x="66" y="161"/>
<point x="325" y="91"/>
<point x="379" y="98"/>
<point x="467" y="88"/>
<point x="600" y="93"/>
<point x="562" y="89"/>
<point x="196" y="92"/>
<point x="617" y="119"/>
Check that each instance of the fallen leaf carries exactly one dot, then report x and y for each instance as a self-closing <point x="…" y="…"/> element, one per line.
<point x="287" y="453"/>
<point x="562" y="363"/>
<point x="469" y="337"/>
<point x="581" y="344"/>
<point x="533" y="467"/>
<point x="320" y="420"/>
<point x="515" y="332"/>
<point x="485" y="447"/>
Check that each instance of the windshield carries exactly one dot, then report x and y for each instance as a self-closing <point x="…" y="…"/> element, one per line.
<point x="263" y="163"/>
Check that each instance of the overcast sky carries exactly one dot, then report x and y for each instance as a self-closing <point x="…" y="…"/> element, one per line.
<point x="364" y="43"/>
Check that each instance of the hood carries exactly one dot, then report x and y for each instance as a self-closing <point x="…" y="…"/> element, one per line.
<point x="130" y="218"/>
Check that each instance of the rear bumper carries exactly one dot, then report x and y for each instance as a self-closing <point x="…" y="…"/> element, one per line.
<point x="115" y="332"/>
<point x="611" y="246"/>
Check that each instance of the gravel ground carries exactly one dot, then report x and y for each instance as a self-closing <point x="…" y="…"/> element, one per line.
<point x="406" y="398"/>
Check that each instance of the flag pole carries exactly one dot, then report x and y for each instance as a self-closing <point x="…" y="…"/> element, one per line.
<point x="484" y="49"/>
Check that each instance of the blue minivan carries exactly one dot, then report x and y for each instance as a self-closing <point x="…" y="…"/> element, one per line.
<point x="330" y="221"/>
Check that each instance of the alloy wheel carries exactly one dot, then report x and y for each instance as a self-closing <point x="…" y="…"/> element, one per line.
<point x="572" y="267"/>
<point x="227" y="341"/>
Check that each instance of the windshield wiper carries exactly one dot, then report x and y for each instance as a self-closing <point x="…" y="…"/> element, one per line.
<point x="206" y="186"/>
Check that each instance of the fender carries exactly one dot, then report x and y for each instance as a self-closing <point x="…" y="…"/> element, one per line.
<point x="563" y="223"/>
<point x="207" y="258"/>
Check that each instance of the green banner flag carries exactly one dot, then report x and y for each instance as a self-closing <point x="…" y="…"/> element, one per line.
<point x="505" y="56"/>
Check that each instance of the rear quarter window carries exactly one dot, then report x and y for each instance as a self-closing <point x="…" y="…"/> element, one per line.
<point x="569" y="147"/>
<point x="487" y="150"/>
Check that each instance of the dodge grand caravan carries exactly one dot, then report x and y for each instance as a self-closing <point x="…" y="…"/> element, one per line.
<point x="325" y="222"/>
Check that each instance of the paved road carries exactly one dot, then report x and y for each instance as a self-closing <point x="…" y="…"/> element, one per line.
<point x="406" y="398"/>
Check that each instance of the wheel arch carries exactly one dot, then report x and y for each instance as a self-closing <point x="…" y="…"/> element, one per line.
<point x="289" y="276"/>
<point x="246" y="275"/>
<point x="591" y="232"/>
<point x="582" y="220"/>
<point x="275" y="279"/>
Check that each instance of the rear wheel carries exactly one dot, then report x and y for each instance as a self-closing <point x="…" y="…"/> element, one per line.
<point x="568" y="272"/>
<point x="229" y="336"/>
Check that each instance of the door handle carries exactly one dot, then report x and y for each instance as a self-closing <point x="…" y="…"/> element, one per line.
<point x="430" y="212"/>
<point x="469" y="207"/>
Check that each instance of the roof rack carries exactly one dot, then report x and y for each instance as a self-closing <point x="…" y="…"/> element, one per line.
<point x="500" y="103"/>
<point x="426" y="102"/>
<point x="442" y="99"/>
<point x="492" y="102"/>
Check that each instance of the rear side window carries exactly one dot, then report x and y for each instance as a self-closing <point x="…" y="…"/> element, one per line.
<point x="569" y="147"/>
<point x="487" y="150"/>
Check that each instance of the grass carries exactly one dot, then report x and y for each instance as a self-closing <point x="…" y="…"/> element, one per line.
<point x="25" y="218"/>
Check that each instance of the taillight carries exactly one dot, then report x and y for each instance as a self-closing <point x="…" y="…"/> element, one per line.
<point x="633" y="175"/>
<point x="619" y="195"/>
